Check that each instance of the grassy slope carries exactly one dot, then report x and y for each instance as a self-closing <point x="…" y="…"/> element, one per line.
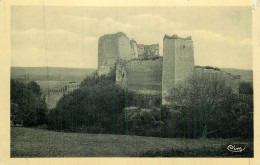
<point x="30" y="142"/>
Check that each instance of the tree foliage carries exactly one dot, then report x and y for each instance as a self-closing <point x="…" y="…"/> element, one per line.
<point x="27" y="104"/>
<point x="245" y="88"/>
<point x="208" y="107"/>
<point x="96" y="107"/>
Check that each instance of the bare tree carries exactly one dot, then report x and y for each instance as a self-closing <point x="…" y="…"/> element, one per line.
<point x="206" y="97"/>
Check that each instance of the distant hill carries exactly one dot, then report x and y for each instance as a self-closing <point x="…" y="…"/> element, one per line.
<point x="246" y="75"/>
<point x="78" y="74"/>
<point x="51" y="73"/>
<point x="50" y="77"/>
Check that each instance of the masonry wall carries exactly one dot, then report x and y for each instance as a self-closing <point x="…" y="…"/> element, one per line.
<point x="107" y="52"/>
<point x="121" y="74"/>
<point x="112" y="47"/>
<point x="178" y="62"/>
<point x="134" y="48"/>
<point x="184" y="59"/>
<point x="142" y="76"/>
<point x="168" y="75"/>
<point x="124" y="48"/>
<point x="52" y="96"/>
<point x="147" y="51"/>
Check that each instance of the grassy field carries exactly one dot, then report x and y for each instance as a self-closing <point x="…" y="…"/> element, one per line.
<point x="31" y="142"/>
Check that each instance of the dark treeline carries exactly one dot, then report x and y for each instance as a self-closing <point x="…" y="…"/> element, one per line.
<point x="198" y="109"/>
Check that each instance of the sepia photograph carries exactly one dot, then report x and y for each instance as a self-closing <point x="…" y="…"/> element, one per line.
<point x="150" y="81"/>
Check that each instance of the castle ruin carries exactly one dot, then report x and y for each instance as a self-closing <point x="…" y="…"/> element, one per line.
<point x="141" y="69"/>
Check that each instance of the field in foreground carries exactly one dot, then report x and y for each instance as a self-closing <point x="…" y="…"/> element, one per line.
<point x="30" y="142"/>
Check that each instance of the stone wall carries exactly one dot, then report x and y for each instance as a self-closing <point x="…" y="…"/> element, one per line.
<point x="124" y="48"/>
<point x="147" y="51"/>
<point x="52" y="96"/>
<point x="121" y="74"/>
<point x="178" y="62"/>
<point x="142" y="76"/>
<point x="112" y="47"/>
<point x="107" y="52"/>
<point x="133" y="44"/>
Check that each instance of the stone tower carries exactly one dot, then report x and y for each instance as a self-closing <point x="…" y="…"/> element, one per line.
<point x="111" y="48"/>
<point x="178" y="62"/>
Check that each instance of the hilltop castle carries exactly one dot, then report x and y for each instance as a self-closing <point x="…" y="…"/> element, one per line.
<point x="140" y="68"/>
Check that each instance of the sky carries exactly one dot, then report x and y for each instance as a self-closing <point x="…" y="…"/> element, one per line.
<point x="68" y="36"/>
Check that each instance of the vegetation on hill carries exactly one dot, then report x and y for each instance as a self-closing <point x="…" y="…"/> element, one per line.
<point x="208" y="67"/>
<point x="204" y="106"/>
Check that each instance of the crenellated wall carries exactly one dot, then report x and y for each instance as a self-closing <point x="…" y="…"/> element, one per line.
<point x="52" y="96"/>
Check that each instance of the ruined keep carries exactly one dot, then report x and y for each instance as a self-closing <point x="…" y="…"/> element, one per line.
<point x="141" y="69"/>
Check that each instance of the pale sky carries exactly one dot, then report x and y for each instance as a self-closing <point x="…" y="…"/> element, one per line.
<point x="68" y="36"/>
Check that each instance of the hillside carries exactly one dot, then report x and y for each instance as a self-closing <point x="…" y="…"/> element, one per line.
<point x="246" y="75"/>
<point x="50" y="77"/>
<point x="51" y="73"/>
<point x="76" y="74"/>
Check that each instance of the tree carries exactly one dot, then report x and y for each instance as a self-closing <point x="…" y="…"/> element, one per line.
<point x="206" y="100"/>
<point x="27" y="103"/>
<point x="96" y="107"/>
<point x="245" y="88"/>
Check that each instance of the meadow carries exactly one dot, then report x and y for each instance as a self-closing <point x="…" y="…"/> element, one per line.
<point x="33" y="142"/>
